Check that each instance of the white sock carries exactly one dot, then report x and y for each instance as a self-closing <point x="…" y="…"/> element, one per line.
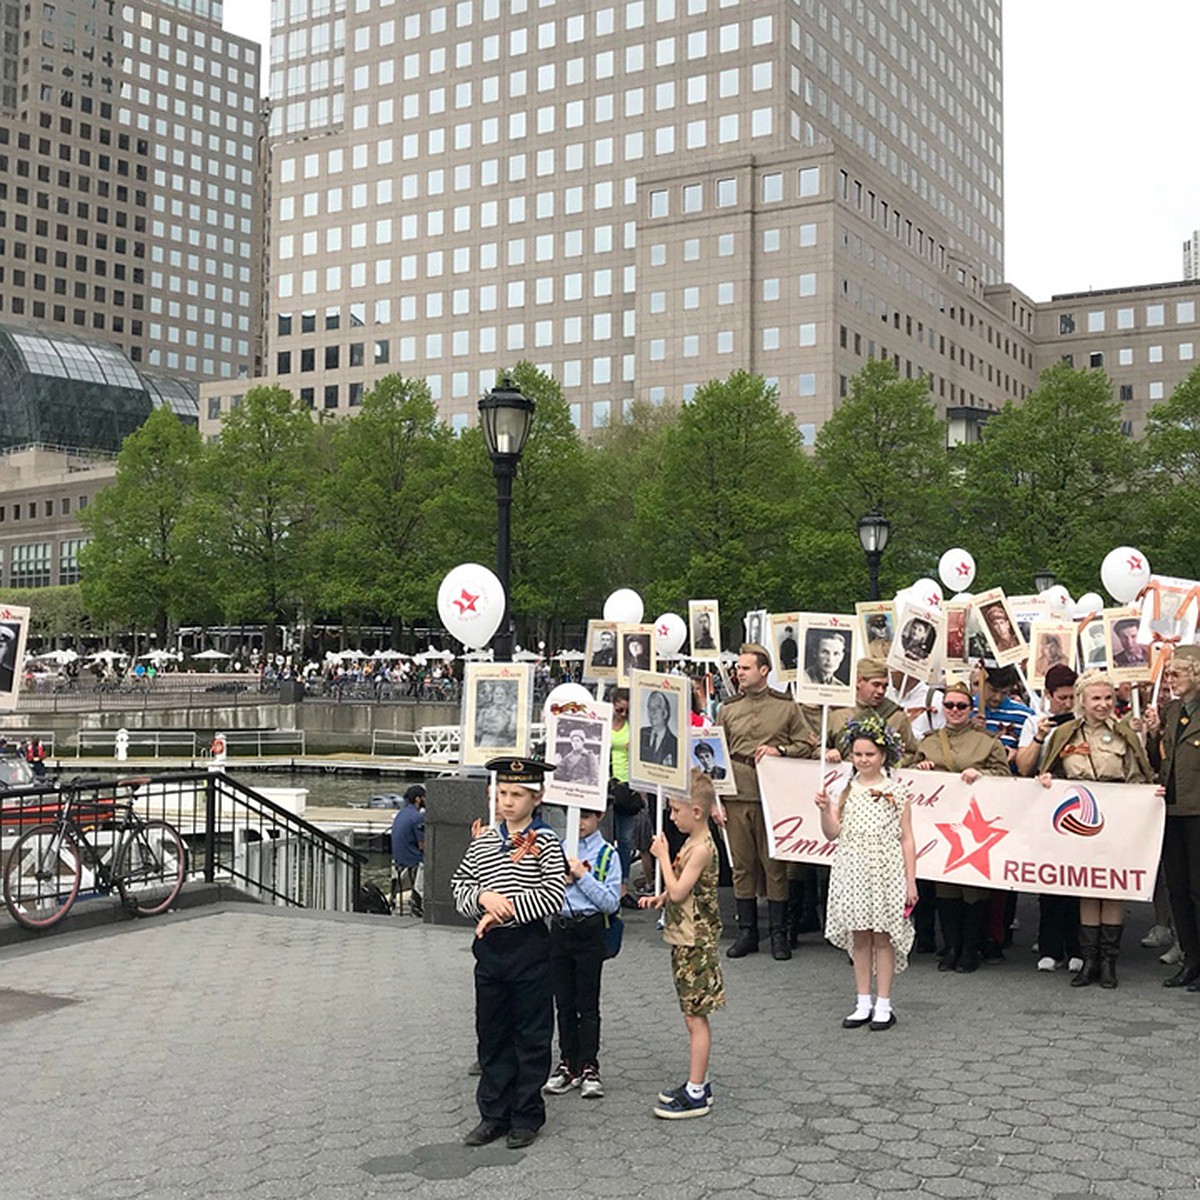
<point x="695" y="1090"/>
<point x="862" y="1008"/>
<point x="883" y="1008"/>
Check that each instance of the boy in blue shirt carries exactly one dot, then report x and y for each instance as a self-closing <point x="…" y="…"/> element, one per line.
<point x="577" y="953"/>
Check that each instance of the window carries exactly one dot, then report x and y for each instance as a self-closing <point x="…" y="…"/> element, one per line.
<point x="772" y="188"/>
<point x="30" y="565"/>
<point x="809" y="181"/>
<point x="1095" y="359"/>
<point x="1155" y="314"/>
<point x="68" y="559"/>
<point x="1185" y="312"/>
<point x="1126" y="392"/>
<point x="808" y="284"/>
<point x="1187" y="351"/>
<point x="726" y="193"/>
<point x="693" y="198"/>
<point x="1155" y="391"/>
<point x="1154" y="354"/>
<point x="1095" y="322"/>
<point x="1124" y="318"/>
<point x="659" y="203"/>
<point x="1125" y="357"/>
<point x="1066" y="323"/>
<point x="770" y="338"/>
<point x="808" y="334"/>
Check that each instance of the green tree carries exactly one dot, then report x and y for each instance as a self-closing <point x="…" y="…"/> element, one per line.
<point x="55" y="613"/>
<point x="1050" y="484"/>
<point x="883" y="449"/>
<point x="258" y="506"/>
<point x="717" y="514"/>
<point x="134" y="569"/>
<point x="377" y="547"/>
<point x="1170" y="497"/>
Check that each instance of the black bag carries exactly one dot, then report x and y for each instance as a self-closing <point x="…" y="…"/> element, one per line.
<point x="623" y="799"/>
<point x="371" y="900"/>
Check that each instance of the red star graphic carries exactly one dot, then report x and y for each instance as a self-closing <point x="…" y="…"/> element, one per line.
<point x="664" y="629"/>
<point x="963" y="569"/>
<point x="467" y="603"/>
<point x="1135" y="562"/>
<point x="983" y="833"/>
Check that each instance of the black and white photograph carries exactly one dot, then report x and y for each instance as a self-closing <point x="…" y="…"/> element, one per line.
<point x="1128" y="661"/>
<point x="704" y="629"/>
<point x="658" y="712"/>
<point x="600" y="662"/>
<point x="827" y="666"/>
<point x="1051" y="644"/>
<point x="1169" y="611"/>
<point x="578" y="739"/>
<point x="635" y="651"/>
<point x="710" y="755"/>
<point x="14" y="626"/>
<point x="1000" y="627"/>
<point x="497" y="699"/>
<point x="1093" y="644"/>
<point x="876" y="627"/>
<point x="756" y="626"/>
<point x="784" y="646"/>
<point x="920" y="642"/>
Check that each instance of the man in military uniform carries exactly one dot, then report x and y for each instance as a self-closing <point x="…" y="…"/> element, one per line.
<point x="1178" y="746"/>
<point x="969" y="752"/>
<point x="871" y="693"/>
<point x="758" y="723"/>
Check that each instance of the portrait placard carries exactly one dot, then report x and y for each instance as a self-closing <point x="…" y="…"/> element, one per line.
<point x="709" y="754"/>
<point x="1093" y="645"/>
<point x="1026" y="610"/>
<point x="14" y="629"/>
<point x="636" y="651"/>
<point x="1051" y="643"/>
<point x="958" y="623"/>
<point x="1128" y="661"/>
<point x="600" y="656"/>
<point x="1169" y="611"/>
<point x="876" y="628"/>
<point x="1000" y="627"/>
<point x="920" y="642"/>
<point x="785" y="646"/>
<point x="578" y="740"/>
<point x="827" y="671"/>
<point x="497" y="711"/>
<point x="704" y="629"/>
<point x="756" y="626"/>
<point x="658" y="714"/>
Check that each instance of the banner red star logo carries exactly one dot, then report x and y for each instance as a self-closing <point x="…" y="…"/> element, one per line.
<point x="984" y="835"/>
<point x="466" y="603"/>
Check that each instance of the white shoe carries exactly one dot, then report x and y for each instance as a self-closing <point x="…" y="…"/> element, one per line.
<point x="1159" y="938"/>
<point x="1075" y="965"/>
<point x="1046" y="964"/>
<point x="1172" y="958"/>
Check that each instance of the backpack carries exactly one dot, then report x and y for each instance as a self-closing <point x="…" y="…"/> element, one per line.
<point x="371" y="900"/>
<point x="614" y="927"/>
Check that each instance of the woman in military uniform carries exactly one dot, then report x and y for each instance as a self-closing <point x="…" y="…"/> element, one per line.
<point x="969" y="752"/>
<point x="1095" y="746"/>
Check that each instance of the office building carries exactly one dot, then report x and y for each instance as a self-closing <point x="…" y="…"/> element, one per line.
<point x="1191" y="256"/>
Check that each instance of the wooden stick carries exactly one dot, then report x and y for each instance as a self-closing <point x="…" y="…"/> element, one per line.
<point x="658" y="828"/>
<point x="824" y="729"/>
<point x="724" y="832"/>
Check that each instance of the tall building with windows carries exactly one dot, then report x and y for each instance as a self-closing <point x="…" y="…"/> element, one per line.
<point x="1191" y="256"/>
<point x="637" y="196"/>
<point x="130" y="181"/>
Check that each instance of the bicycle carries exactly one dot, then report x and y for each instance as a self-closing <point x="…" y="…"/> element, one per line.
<point x="144" y="861"/>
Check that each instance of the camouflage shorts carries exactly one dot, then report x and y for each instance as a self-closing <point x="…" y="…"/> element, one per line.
<point x="698" y="982"/>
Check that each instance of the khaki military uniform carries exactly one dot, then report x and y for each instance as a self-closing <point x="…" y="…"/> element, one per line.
<point x="750" y="720"/>
<point x="1111" y="752"/>
<point x="890" y="712"/>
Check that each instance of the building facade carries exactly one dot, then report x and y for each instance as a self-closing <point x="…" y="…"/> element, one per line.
<point x="1191" y="256"/>
<point x="131" y="181"/>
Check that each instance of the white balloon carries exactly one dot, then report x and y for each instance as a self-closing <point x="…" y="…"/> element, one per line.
<point x="901" y="598"/>
<point x="1058" y="598"/>
<point x="927" y="592"/>
<point x="625" y="607"/>
<point x="956" y="570"/>
<point x="1124" y="572"/>
<point x="567" y="693"/>
<point x="1088" y="604"/>
<point x="670" y="632"/>
<point x="471" y="604"/>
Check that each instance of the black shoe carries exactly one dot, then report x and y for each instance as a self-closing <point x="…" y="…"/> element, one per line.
<point x="475" y="1068"/>
<point x="519" y="1139"/>
<point x="780" y="950"/>
<point x="856" y="1022"/>
<point x="887" y="1024"/>
<point x="745" y="943"/>
<point x="485" y="1132"/>
<point x="967" y="964"/>
<point x="1184" y="977"/>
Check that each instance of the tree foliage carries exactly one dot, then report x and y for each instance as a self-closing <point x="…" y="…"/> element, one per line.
<point x="1170" y="495"/>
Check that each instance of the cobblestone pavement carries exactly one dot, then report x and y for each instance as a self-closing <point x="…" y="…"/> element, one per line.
<point x="237" y="1051"/>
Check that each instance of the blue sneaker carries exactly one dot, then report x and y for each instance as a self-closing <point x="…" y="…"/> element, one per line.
<point x="666" y="1096"/>
<point x="681" y="1106"/>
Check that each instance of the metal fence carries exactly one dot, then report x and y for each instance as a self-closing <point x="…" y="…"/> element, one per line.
<point x="15" y="737"/>
<point x="263" y="743"/>
<point x="140" y="743"/>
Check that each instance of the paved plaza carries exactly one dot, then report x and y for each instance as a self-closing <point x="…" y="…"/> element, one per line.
<point x="240" y="1051"/>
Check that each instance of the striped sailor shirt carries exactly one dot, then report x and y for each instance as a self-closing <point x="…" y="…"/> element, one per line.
<point x="529" y="872"/>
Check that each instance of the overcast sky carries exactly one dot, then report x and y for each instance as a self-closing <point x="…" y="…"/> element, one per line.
<point x="1102" y="180"/>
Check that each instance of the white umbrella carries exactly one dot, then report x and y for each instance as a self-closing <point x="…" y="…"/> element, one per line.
<point x="107" y="656"/>
<point x="478" y="656"/>
<point x="570" y="656"/>
<point x="161" y="655"/>
<point x="59" y="657"/>
<point x="527" y="656"/>
<point x="209" y="656"/>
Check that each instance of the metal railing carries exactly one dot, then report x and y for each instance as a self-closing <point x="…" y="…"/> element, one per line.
<point x="401" y="743"/>
<point x="263" y="743"/>
<point x="141" y="743"/>
<point x="234" y="835"/>
<point x="15" y="737"/>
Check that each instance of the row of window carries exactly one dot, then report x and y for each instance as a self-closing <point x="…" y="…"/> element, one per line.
<point x="725" y="192"/>
<point x="1154" y="316"/>
<point x="32" y="510"/>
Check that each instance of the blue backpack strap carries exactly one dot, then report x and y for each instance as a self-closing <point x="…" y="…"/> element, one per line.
<point x="603" y="859"/>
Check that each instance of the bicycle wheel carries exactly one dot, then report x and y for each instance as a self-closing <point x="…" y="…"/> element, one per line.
<point x="150" y="868"/>
<point x="41" y="877"/>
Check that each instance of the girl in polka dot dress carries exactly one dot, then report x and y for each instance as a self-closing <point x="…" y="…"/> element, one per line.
<point x="872" y="883"/>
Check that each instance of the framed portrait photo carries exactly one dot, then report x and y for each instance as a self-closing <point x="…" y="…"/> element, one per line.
<point x="1093" y="647"/>
<point x="708" y="753"/>
<point x="958" y="618"/>
<point x="785" y="646"/>
<point x="1051" y="643"/>
<point x="578" y="740"/>
<point x="1000" y="627"/>
<point x="1127" y="660"/>
<point x="600" y="654"/>
<point x="14" y="629"/>
<point x="1026" y="610"/>
<point x="497" y="711"/>
<point x="704" y="629"/>
<point x="756" y="626"/>
<point x="636" y="651"/>
<point x="920" y="642"/>
<point x="876" y="628"/>
<point x="826" y="673"/>
<point x="658" y="727"/>
<point x="1169" y="610"/>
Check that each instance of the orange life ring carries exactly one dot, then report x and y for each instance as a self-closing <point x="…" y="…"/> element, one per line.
<point x="218" y="747"/>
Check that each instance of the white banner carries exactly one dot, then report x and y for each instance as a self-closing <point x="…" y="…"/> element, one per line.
<point x="1098" y="840"/>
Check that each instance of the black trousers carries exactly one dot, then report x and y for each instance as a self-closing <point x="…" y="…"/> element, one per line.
<point x="576" y="960"/>
<point x="1181" y="866"/>
<point x="1058" y="927"/>
<point x="514" y="1024"/>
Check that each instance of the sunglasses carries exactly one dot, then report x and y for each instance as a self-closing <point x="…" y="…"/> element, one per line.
<point x="955" y="705"/>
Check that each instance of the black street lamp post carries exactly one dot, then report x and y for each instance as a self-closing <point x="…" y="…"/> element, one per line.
<point x="506" y="416"/>
<point x="873" y="531"/>
<point x="1043" y="580"/>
